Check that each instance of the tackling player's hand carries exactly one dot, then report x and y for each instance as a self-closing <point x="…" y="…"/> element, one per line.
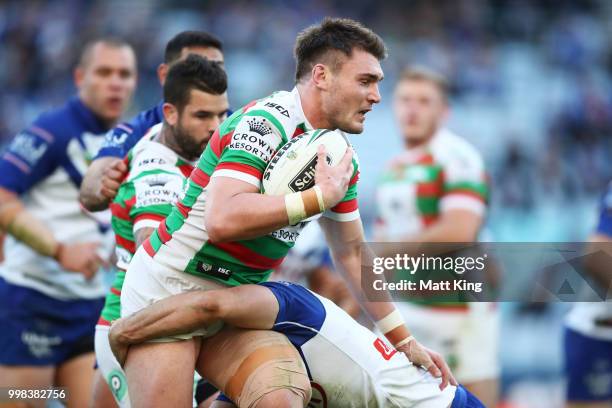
<point x="118" y="348"/>
<point x="429" y="360"/>
<point x="333" y="180"/>
<point x="111" y="179"/>
<point x="81" y="258"/>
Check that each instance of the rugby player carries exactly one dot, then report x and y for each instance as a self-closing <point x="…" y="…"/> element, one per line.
<point x="51" y="292"/>
<point x="436" y="191"/>
<point x="106" y="172"/>
<point x="158" y="167"/>
<point x="349" y="366"/>
<point x="588" y="326"/>
<point x="222" y="232"/>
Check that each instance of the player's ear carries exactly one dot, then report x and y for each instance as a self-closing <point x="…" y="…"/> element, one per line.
<point x="171" y="114"/>
<point x="162" y="72"/>
<point x="78" y="75"/>
<point x="321" y="76"/>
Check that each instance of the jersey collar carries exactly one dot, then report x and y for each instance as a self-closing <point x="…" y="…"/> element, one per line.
<point x="298" y="104"/>
<point x="90" y="121"/>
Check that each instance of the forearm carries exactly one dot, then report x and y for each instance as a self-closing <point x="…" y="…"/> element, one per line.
<point x="245" y="216"/>
<point x="90" y="192"/>
<point x="25" y="227"/>
<point x="171" y="316"/>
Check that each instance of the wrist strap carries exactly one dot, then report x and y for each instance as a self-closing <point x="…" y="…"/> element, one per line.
<point x="304" y="204"/>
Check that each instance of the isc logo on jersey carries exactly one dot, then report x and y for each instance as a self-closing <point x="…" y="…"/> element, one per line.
<point x="292" y="169"/>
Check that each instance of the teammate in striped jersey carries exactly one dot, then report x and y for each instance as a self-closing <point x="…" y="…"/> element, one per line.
<point x="159" y="165"/>
<point x="106" y="172"/>
<point x="225" y="232"/>
<point x="436" y="191"/>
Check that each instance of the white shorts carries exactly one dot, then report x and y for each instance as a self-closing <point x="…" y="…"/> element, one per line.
<point x="109" y="367"/>
<point x="468" y="340"/>
<point x="146" y="282"/>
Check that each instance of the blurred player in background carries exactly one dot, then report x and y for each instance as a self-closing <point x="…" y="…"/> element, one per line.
<point x="158" y="167"/>
<point x="51" y="292"/>
<point x="309" y="263"/>
<point x="588" y="331"/>
<point x="436" y="191"/>
<point x="105" y="173"/>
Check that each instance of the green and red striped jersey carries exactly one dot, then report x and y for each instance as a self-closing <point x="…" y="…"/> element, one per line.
<point x="420" y="184"/>
<point x="156" y="177"/>
<point x="241" y="149"/>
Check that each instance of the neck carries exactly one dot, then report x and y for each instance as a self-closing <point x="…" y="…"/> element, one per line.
<point x="410" y="144"/>
<point x="310" y="98"/>
<point x="166" y="137"/>
<point x="106" y="123"/>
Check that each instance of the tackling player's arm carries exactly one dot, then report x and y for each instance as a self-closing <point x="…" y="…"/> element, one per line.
<point x="244" y="306"/>
<point x="101" y="182"/>
<point x="345" y="241"/>
<point x="325" y="282"/>
<point x="236" y="210"/>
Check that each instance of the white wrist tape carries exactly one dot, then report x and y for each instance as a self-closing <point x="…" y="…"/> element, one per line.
<point x="390" y="322"/>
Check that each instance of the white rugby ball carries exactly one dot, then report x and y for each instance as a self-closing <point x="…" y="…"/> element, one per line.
<point x="292" y="168"/>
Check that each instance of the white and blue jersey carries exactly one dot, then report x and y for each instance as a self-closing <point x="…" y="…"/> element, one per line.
<point x="48" y="314"/>
<point x="588" y="336"/>
<point x="124" y="136"/>
<point x="44" y="165"/>
<point x="347" y="364"/>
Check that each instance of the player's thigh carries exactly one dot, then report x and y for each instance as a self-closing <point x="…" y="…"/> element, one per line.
<point x="101" y="395"/>
<point x="248" y="365"/>
<point x="77" y="376"/>
<point x="161" y="374"/>
<point x="110" y="381"/>
<point x="24" y="377"/>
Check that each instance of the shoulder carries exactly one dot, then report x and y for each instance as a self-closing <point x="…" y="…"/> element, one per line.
<point x="449" y="149"/>
<point x="150" y="156"/>
<point x="278" y="111"/>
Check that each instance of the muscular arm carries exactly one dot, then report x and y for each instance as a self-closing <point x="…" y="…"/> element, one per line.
<point x="344" y="239"/>
<point x="245" y="306"/>
<point x="15" y="220"/>
<point x="236" y="210"/>
<point x="91" y="193"/>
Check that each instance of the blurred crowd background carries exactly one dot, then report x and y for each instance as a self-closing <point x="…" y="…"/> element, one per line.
<point x="531" y="88"/>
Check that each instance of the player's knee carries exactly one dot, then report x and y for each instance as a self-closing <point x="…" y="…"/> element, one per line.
<point x="281" y="398"/>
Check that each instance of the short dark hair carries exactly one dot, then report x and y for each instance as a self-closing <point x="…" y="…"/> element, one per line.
<point x="114" y="42"/>
<point x="421" y="73"/>
<point x="189" y="39"/>
<point x="194" y="72"/>
<point x="342" y="35"/>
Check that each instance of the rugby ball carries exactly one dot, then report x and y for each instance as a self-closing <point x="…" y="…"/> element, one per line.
<point x="292" y="168"/>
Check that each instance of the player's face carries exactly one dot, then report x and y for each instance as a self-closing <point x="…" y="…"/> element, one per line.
<point x="419" y="108"/>
<point x="106" y="80"/>
<point x="353" y="92"/>
<point x="197" y="122"/>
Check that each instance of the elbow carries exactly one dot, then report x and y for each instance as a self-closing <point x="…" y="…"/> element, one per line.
<point x="211" y="307"/>
<point x="219" y="228"/>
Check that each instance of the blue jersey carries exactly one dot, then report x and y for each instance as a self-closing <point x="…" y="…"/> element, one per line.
<point x="45" y="164"/>
<point x="124" y="136"/>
